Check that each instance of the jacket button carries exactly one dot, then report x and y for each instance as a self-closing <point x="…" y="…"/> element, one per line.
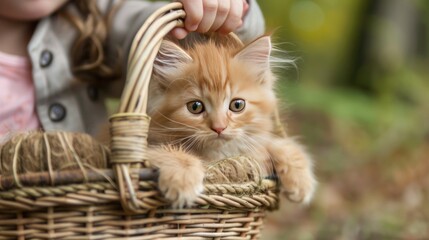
<point x="46" y="58"/>
<point x="92" y="93"/>
<point x="57" y="112"/>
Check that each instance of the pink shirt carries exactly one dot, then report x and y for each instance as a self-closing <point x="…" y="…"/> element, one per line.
<point x="17" y="97"/>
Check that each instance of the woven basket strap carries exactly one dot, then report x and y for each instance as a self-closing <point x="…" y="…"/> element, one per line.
<point x="129" y="127"/>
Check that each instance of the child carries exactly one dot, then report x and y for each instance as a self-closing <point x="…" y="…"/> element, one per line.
<point x="58" y="58"/>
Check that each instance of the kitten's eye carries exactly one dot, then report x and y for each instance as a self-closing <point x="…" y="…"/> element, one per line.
<point x="195" y="107"/>
<point x="237" y="105"/>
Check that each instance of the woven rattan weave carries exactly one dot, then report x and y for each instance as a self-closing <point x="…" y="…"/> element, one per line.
<point x="121" y="200"/>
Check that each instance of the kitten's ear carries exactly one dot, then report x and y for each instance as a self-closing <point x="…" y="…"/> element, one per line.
<point x="170" y="57"/>
<point x="257" y="54"/>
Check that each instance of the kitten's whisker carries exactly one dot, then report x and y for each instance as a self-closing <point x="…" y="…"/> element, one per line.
<point x="200" y="140"/>
<point x="180" y="141"/>
<point x="189" y="142"/>
<point x="174" y="121"/>
<point x="251" y="143"/>
<point x="169" y="133"/>
<point x="256" y="143"/>
<point x="166" y="128"/>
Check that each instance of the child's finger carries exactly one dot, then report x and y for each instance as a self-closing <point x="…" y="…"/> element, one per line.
<point x="210" y="8"/>
<point x="194" y="13"/>
<point x="179" y="33"/>
<point x="233" y="20"/>
<point x="222" y="14"/>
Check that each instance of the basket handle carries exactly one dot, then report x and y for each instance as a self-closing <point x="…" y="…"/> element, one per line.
<point x="129" y="127"/>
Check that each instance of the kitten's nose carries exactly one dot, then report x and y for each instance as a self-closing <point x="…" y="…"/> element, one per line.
<point x="218" y="130"/>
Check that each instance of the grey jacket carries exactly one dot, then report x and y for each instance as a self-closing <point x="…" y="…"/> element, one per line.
<point x="62" y="103"/>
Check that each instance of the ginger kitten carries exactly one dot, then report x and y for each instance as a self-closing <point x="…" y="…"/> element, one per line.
<point x="216" y="100"/>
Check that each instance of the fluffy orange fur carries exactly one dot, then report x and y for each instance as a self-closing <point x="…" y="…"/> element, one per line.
<point x="216" y="100"/>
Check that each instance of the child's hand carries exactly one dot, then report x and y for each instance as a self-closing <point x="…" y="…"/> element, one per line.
<point x="223" y="16"/>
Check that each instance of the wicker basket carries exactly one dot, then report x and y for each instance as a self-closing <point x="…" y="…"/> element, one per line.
<point x="124" y="202"/>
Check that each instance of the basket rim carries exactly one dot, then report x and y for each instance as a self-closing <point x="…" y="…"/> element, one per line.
<point x="249" y="195"/>
<point x="76" y="176"/>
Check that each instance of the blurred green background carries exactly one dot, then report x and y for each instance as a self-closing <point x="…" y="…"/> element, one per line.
<point x="359" y="100"/>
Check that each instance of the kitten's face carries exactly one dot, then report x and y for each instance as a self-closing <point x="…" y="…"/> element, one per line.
<point x="214" y="95"/>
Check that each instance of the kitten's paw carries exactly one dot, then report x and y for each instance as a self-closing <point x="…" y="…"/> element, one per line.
<point x="182" y="184"/>
<point x="294" y="169"/>
<point x="298" y="185"/>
